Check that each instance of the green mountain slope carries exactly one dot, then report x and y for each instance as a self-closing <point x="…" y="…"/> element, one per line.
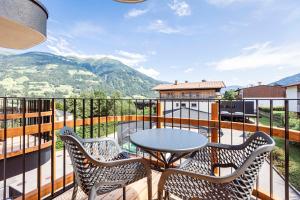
<point x="46" y="75"/>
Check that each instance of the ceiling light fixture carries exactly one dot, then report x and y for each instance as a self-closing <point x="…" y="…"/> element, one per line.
<point x="23" y="23"/>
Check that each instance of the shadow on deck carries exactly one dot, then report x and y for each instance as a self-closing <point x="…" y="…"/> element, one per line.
<point x="135" y="191"/>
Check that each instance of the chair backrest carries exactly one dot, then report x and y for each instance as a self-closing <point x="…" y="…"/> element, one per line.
<point x="257" y="141"/>
<point x="68" y="131"/>
<point x="252" y="154"/>
<point x="78" y="156"/>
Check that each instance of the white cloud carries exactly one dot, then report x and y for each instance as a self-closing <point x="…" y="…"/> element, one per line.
<point x="132" y="59"/>
<point x="5" y="51"/>
<point x="86" y="29"/>
<point x="257" y="46"/>
<point x="162" y="27"/>
<point x="149" y="72"/>
<point x="280" y="68"/>
<point x="61" y="46"/>
<point x="180" y="8"/>
<point x="135" y="13"/>
<point x="188" y="70"/>
<point x="262" y="55"/>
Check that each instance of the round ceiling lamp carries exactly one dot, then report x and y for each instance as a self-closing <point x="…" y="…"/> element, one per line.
<point x="130" y="1"/>
<point x="23" y="23"/>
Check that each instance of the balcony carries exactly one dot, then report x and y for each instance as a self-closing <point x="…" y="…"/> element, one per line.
<point x="35" y="164"/>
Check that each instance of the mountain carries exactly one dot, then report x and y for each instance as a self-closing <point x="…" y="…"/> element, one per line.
<point x="231" y="87"/>
<point x="42" y="74"/>
<point x="288" y="80"/>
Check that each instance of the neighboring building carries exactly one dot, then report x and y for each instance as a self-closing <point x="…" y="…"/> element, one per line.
<point x="263" y="92"/>
<point x="196" y="95"/>
<point x="194" y="90"/>
<point x="293" y="92"/>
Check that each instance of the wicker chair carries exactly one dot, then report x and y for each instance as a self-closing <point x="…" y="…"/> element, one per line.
<point x="195" y="179"/>
<point x="100" y="166"/>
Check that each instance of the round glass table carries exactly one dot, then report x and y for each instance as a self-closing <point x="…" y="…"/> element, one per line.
<point x="178" y="143"/>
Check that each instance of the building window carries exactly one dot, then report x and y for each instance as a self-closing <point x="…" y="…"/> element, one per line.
<point x="183" y="105"/>
<point x="177" y="104"/>
<point x="194" y="105"/>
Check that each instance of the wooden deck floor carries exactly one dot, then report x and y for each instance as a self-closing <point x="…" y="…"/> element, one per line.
<point x="135" y="191"/>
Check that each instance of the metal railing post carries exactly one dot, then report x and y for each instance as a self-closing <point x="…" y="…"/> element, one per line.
<point x="286" y="149"/>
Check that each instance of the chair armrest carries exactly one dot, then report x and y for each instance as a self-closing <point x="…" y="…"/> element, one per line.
<point x="225" y="146"/>
<point x="220" y="155"/>
<point x="200" y="177"/>
<point x="122" y="163"/>
<point x="128" y="161"/>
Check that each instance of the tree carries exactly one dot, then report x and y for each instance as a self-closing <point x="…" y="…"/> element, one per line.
<point x="102" y="104"/>
<point x="230" y="95"/>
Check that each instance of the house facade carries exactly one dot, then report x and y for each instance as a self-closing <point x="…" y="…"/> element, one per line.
<point x="293" y="92"/>
<point x="194" y="95"/>
<point x="262" y="92"/>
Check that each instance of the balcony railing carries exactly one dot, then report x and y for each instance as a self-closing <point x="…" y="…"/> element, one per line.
<point x="34" y="163"/>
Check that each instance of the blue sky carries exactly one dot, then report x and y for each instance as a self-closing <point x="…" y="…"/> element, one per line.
<point x="238" y="41"/>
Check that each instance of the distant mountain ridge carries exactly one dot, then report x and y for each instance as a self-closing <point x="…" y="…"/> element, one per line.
<point x="41" y="74"/>
<point x="231" y="87"/>
<point x="288" y="80"/>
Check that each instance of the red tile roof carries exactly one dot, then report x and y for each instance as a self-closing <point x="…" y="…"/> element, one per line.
<point x="189" y="86"/>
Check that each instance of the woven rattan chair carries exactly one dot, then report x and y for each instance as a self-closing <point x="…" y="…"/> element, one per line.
<point x="195" y="179"/>
<point x="100" y="166"/>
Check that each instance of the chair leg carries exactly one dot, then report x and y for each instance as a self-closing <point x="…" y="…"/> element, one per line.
<point x="74" y="191"/>
<point x="167" y="195"/>
<point x="124" y="193"/>
<point x="93" y="193"/>
<point x="149" y="183"/>
<point x="159" y="194"/>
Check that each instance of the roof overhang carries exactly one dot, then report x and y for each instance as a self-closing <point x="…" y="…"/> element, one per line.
<point x="23" y="23"/>
<point x="190" y="86"/>
<point x="178" y="89"/>
<point x="293" y="85"/>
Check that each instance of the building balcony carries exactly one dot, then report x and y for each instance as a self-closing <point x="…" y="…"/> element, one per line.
<point x="35" y="164"/>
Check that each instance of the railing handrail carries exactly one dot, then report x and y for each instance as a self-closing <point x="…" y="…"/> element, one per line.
<point x="149" y="98"/>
